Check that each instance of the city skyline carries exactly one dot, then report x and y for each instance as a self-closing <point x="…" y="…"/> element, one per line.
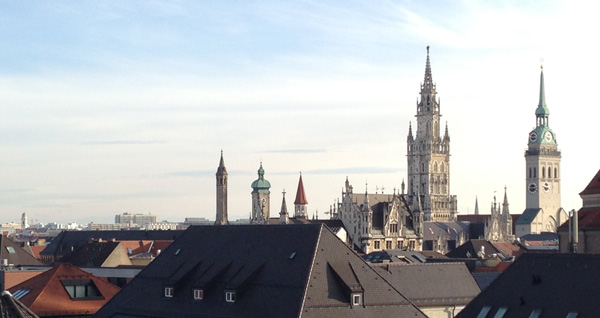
<point x="125" y="107"/>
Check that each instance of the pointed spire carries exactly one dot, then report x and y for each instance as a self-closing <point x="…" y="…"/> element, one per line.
<point x="542" y="109"/>
<point x="221" y="170"/>
<point x="300" y="194"/>
<point x="505" y="204"/>
<point x="476" y="206"/>
<point x="284" y="217"/>
<point x="428" y="78"/>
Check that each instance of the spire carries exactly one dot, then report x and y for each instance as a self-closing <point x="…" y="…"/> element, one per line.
<point x="283" y="214"/>
<point x="428" y="79"/>
<point x="476" y="206"/>
<point x="300" y="195"/>
<point x="261" y="172"/>
<point x="410" y="134"/>
<point x="221" y="170"/>
<point x="505" y="204"/>
<point x="446" y="134"/>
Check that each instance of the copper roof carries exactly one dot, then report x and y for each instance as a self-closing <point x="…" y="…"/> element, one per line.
<point x="300" y="195"/>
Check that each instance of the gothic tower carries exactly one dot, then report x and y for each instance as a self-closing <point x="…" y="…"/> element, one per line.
<point x="300" y="202"/>
<point x="260" y="198"/>
<point x="542" y="161"/>
<point x="221" y="218"/>
<point x="284" y="217"/>
<point x="428" y="156"/>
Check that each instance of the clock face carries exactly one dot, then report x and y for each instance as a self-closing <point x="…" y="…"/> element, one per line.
<point x="548" y="136"/>
<point x="532" y="188"/>
<point x="533" y="136"/>
<point x="546" y="186"/>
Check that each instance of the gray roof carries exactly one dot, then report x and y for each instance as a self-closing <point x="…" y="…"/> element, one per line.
<point x="448" y="230"/>
<point x="438" y="284"/>
<point x="14" y="254"/>
<point x="12" y="308"/>
<point x="528" y="216"/>
<point x="275" y="271"/>
<point x="555" y="284"/>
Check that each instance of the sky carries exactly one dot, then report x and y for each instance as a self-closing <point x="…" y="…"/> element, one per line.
<point x="125" y="106"/>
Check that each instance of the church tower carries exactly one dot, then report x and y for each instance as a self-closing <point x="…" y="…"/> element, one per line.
<point x="300" y="203"/>
<point x="542" y="172"/>
<point x="284" y="217"/>
<point x="260" y="198"/>
<point x="428" y="156"/>
<point x="221" y="218"/>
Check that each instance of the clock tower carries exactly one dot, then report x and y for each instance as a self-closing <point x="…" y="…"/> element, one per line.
<point x="542" y="173"/>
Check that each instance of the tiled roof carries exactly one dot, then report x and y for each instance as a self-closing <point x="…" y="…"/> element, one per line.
<point x="274" y="270"/>
<point x="432" y="284"/>
<point x="508" y="249"/>
<point x="34" y="250"/>
<point x="589" y="219"/>
<point x="300" y="194"/>
<point x="471" y="248"/>
<point x="47" y="295"/>
<point x="593" y="187"/>
<point x="449" y="230"/>
<point x="555" y="284"/>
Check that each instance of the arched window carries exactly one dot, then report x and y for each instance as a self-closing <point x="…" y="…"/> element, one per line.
<point x="549" y="172"/>
<point x="543" y="172"/>
<point x="435" y="166"/>
<point x="534" y="172"/>
<point x="530" y="173"/>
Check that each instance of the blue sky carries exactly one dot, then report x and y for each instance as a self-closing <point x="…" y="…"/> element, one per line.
<point x="118" y="106"/>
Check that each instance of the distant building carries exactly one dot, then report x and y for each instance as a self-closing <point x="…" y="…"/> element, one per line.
<point x="543" y="212"/>
<point x="428" y="154"/>
<point x="93" y="226"/>
<point x="221" y="175"/>
<point x="261" y="200"/>
<point x="499" y="227"/>
<point x="138" y="218"/>
<point x="379" y="221"/>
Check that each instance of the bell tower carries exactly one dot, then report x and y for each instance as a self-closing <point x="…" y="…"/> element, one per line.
<point x="542" y="161"/>
<point x="221" y="218"/>
<point x="428" y="156"/>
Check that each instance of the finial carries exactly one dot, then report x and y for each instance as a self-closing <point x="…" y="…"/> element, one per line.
<point x="428" y="50"/>
<point x="542" y="64"/>
<point x="283" y="192"/>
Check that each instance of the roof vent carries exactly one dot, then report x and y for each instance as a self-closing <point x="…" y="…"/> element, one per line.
<point x="292" y="255"/>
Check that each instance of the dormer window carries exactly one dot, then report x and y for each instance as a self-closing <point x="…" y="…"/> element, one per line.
<point x="81" y="289"/>
<point x="230" y="296"/>
<point x="198" y="294"/>
<point x="357" y="299"/>
<point x="169" y="292"/>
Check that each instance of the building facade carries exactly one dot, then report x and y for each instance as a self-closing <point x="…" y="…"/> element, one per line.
<point x="137" y="218"/>
<point x="428" y="154"/>
<point x="380" y="221"/>
<point x="499" y="226"/>
<point x="543" y="211"/>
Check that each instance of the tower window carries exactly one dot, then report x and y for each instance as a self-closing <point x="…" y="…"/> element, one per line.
<point x="555" y="173"/>
<point x="530" y="173"/>
<point x="534" y="172"/>
<point x="549" y="172"/>
<point x="543" y="172"/>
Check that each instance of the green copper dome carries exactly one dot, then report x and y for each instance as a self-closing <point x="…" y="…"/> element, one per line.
<point x="261" y="185"/>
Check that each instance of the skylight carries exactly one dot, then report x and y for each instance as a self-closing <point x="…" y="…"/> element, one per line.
<point x="20" y="293"/>
<point x="10" y="249"/>
<point x="484" y="311"/>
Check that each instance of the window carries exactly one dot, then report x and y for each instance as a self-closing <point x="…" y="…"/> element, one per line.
<point x="168" y="292"/>
<point x="376" y="245"/>
<point x="484" y="311"/>
<point x="535" y="313"/>
<point x="356" y="299"/>
<point x="230" y="296"/>
<point x="10" y="249"/>
<point x="198" y="293"/>
<point x="388" y="245"/>
<point x="500" y="313"/>
<point x="81" y="289"/>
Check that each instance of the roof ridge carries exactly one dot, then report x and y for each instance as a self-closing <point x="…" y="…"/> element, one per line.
<point x="312" y="265"/>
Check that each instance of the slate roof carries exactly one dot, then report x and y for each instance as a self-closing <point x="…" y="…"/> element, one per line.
<point x="528" y="216"/>
<point x="14" y="254"/>
<point x="449" y="230"/>
<point x="554" y="284"/>
<point x="91" y="254"/>
<point x="395" y="256"/>
<point x="67" y="241"/>
<point x="275" y="271"/>
<point x="471" y="248"/>
<point x="439" y="284"/>
<point x="45" y="294"/>
<point x="12" y="308"/>
<point x="593" y="187"/>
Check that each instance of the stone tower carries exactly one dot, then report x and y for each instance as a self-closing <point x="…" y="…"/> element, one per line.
<point x="24" y="224"/>
<point x="542" y="172"/>
<point x="221" y="218"/>
<point x="260" y="198"/>
<point x="284" y="217"/>
<point x="300" y="204"/>
<point x="428" y="156"/>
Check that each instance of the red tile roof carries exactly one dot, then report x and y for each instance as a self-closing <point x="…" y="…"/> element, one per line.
<point x="47" y="295"/>
<point x="300" y="195"/>
<point x="593" y="187"/>
<point x="589" y="219"/>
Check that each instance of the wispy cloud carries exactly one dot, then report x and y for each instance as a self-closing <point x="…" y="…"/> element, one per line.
<point x="121" y="142"/>
<point x="295" y="151"/>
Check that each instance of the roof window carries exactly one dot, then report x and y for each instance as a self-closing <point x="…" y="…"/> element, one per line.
<point x="198" y="294"/>
<point x="572" y="314"/>
<point x="535" y="313"/>
<point x="81" y="289"/>
<point x="484" y="311"/>
<point x="169" y="292"/>
<point x="230" y="296"/>
<point x="500" y="313"/>
<point x="357" y="299"/>
<point x="10" y="249"/>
